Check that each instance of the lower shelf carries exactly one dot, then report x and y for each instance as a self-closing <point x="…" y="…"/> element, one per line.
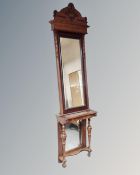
<point x="74" y="152"/>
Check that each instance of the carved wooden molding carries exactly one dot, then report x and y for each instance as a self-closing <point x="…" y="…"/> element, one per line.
<point x="82" y="115"/>
<point x="69" y="19"/>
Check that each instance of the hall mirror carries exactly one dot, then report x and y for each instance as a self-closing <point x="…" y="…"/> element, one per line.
<point x="71" y="58"/>
<point x="71" y="71"/>
<point x="73" y="120"/>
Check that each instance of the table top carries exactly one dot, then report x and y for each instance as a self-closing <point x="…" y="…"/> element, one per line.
<point x="80" y="115"/>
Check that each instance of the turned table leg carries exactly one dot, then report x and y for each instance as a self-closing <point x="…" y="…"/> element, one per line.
<point x="79" y="130"/>
<point x="89" y="128"/>
<point x="63" y="138"/>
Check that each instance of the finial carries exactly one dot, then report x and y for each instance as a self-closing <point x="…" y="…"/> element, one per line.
<point x="71" y="5"/>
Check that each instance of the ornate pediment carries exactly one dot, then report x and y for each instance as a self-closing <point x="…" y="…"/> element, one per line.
<point x="69" y="18"/>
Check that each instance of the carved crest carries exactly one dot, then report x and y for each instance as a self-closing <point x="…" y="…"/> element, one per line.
<point x="69" y="19"/>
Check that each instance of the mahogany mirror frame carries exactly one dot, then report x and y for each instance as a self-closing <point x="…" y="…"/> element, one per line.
<point x="69" y="23"/>
<point x="71" y="35"/>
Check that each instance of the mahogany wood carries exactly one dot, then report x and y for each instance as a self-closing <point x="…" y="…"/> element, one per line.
<point x="74" y="152"/>
<point x="69" y="23"/>
<point x="70" y="20"/>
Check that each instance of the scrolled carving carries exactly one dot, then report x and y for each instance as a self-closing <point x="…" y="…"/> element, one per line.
<point x="69" y="13"/>
<point x="69" y="18"/>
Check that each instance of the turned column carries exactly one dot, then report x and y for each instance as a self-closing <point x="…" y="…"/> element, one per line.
<point x="63" y="138"/>
<point x="89" y="128"/>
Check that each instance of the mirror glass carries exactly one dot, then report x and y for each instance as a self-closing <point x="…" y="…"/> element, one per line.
<point x="72" y="72"/>
<point x="73" y="135"/>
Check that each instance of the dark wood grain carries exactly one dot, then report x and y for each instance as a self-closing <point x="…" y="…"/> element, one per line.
<point x="70" y="20"/>
<point x="69" y="23"/>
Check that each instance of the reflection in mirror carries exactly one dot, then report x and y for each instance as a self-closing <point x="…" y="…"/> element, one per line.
<point x="73" y="135"/>
<point x="72" y="72"/>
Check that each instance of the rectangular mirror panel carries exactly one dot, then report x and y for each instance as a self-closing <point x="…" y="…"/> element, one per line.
<point x="73" y="135"/>
<point x="72" y="72"/>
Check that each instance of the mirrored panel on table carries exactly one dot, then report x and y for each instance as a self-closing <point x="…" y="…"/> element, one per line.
<point x="72" y="72"/>
<point x="73" y="135"/>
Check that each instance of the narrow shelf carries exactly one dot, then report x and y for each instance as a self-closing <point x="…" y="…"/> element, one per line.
<point x="80" y="115"/>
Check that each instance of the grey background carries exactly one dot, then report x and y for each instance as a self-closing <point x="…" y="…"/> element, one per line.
<point x="29" y="96"/>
